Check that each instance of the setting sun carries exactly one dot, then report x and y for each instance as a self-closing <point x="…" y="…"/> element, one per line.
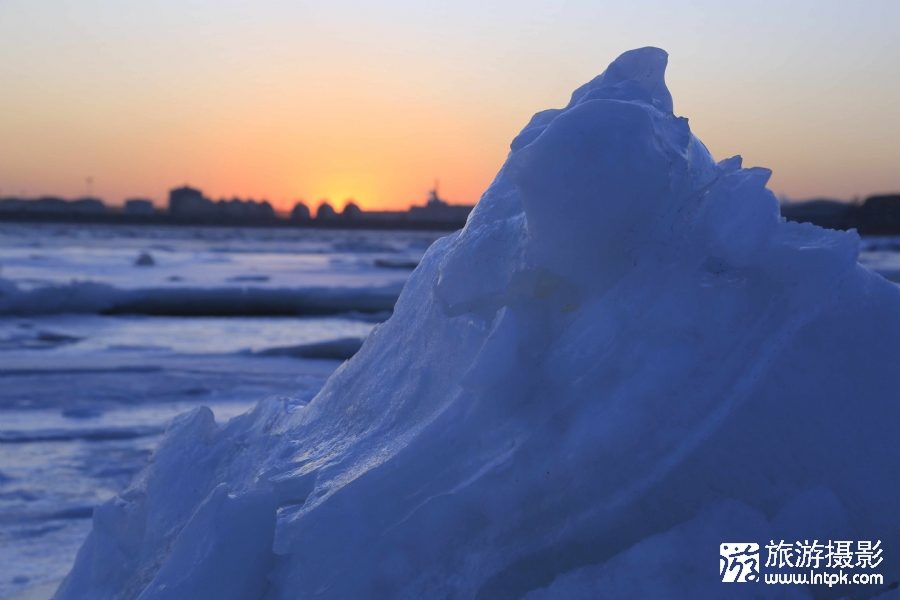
<point x="340" y="101"/>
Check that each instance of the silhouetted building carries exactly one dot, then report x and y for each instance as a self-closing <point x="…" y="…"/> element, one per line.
<point x="92" y="206"/>
<point x="832" y="214"/>
<point x="352" y="211"/>
<point x="53" y="205"/>
<point x="139" y="206"/>
<point x="50" y="204"/>
<point x="879" y="215"/>
<point x="397" y="216"/>
<point x="325" y="211"/>
<point x="188" y="202"/>
<point x="300" y="212"/>
<point x="438" y="210"/>
<point x="259" y="210"/>
<point x="13" y="205"/>
<point x="233" y="208"/>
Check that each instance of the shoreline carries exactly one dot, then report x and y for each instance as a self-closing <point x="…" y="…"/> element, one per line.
<point x="166" y="219"/>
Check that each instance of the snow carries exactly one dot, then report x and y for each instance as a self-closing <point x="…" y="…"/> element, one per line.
<point x="99" y="341"/>
<point x="203" y="271"/>
<point x="85" y="398"/>
<point x="623" y="360"/>
<point x="76" y="428"/>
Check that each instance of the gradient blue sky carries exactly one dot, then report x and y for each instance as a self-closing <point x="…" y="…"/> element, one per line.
<point x="287" y="100"/>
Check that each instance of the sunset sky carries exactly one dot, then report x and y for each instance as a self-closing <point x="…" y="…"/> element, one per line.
<point x="288" y="100"/>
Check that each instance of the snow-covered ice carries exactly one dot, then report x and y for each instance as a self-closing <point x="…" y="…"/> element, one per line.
<point x="203" y="271"/>
<point x="624" y="359"/>
<point x="84" y="398"/>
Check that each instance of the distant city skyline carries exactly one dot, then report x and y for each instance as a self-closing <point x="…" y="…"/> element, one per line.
<point x="288" y="101"/>
<point x="428" y="198"/>
<point x="189" y="206"/>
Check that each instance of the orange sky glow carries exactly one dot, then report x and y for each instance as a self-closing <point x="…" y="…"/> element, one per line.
<point x="285" y="101"/>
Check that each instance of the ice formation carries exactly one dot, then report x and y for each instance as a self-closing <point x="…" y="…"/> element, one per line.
<point x="624" y="359"/>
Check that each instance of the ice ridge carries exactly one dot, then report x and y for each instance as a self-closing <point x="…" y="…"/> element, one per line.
<point x="624" y="358"/>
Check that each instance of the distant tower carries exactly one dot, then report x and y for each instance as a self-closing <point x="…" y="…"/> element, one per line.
<point x="433" y="199"/>
<point x="90" y="185"/>
<point x="189" y="201"/>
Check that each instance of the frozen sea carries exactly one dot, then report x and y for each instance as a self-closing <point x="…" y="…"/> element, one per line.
<point x="98" y="352"/>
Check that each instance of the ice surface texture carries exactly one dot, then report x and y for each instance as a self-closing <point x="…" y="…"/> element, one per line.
<point x="626" y="357"/>
<point x="53" y="269"/>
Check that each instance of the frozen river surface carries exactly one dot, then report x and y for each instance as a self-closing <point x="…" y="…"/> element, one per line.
<point x="99" y="352"/>
<point x="106" y="333"/>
